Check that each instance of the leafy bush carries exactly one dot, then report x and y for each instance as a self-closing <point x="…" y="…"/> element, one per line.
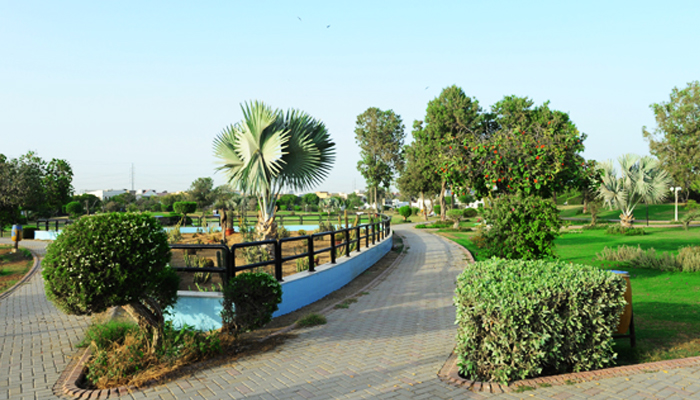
<point x="436" y="209"/>
<point x="520" y="227"/>
<point x="621" y="230"/>
<point x="75" y="209"/>
<point x="184" y="207"/>
<point x="405" y="212"/>
<point x="434" y="225"/>
<point x="250" y="299"/>
<point x="301" y="232"/>
<point x="521" y="319"/>
<point x="470" y="212"/>
<point x="104" y="335"/>
<point x="455" y="215"/>
<point x="693" y="213"/>
<point x="106" y="260"/>
<point x="282" y="232"/>
<point x="689" y="258"/>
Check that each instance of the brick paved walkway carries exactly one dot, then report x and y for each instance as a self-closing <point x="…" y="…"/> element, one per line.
<point x="36" y="340"/>
<point x="390" y="344"/>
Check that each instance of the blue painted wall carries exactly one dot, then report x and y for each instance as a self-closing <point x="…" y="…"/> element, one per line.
<point x="201" y="309"/>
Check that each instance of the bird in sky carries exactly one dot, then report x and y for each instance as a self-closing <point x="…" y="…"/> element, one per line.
<point x="299" y="18"/>
<point x="328" y="26"/>
<point x="426" y="88"/>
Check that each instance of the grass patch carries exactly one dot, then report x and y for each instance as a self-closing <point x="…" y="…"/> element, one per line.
<point x="657" y="212"/>
<point x="13" y="266"/>
<point x="312" y="319"/>
<point x="666" y="304"/>
<point x="346" y="303"/>
<point x="523" y="388"/>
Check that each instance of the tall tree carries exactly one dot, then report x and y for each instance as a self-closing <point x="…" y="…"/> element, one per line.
<point x="676" y="139"/>
<point x="268" y="151"/>
<point x="640" y="179"/>
<point x="380" y="135"/>
<point x="58" y="186"/>
<point x="201" y="192"/>
<point x="418" y="178"/>
<point x="452" y="119"/>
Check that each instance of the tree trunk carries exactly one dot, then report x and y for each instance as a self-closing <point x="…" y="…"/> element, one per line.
<point x="425" y="211"/>
<point x="626" y="220"/>
<point x="443" y="212"/>
<point x="149" y="317"/>
<point x="266" y="230"/>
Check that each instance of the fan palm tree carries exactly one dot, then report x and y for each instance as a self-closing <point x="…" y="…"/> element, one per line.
<point x="269" y="150"/>
<point x="642" y="179"/>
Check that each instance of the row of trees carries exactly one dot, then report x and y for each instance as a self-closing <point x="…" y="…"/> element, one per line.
<point x="32" y="186"/>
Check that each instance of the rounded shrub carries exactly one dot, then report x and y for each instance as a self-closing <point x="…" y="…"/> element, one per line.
<point x="455" y="215"/>
<point x="75" y="209"/>
<point x="405" y="212"/>
<point x="118" y="259"/>
<point x="470" y="212"/>
<point x="519" y="227"/>
<point x="250" y="299"/>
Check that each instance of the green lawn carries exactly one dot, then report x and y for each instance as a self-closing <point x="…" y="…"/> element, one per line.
<point x="666" y="304"/>
<point x="657" y="212"/>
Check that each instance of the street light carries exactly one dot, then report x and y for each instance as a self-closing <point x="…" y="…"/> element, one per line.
<point x="676" y="189"/>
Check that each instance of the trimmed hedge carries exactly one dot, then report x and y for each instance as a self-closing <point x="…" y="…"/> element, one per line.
<point x="521" y="319"/>
<point x="250" y="299"/>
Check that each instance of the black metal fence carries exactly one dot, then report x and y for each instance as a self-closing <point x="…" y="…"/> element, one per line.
<point x="200" y="220"/>
<point x="349" y="240"/>
<point x="55" y="223"/>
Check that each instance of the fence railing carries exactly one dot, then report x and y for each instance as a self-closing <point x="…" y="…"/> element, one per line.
<point x="343" y="242"/>
<point x="52" y="222"/>
<point x="310" y="219"/>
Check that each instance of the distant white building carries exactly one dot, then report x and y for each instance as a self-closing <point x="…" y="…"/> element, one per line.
<point x="145" y="193"/>
<point x="106" y="194"/>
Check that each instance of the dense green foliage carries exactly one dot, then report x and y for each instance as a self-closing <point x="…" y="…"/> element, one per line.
<point x="519" y="227"/>
<point x="521" y="319"/>
<point x="405" y="212"/>
<point x="250" y="299"/>
<point x="470" y="212"/>
<point x="109" y="260"/>
<point x="75" y="209"/>
<point x="380" y="136"/>
<point x="28" y="183"/>
<point x="676" y="139"/>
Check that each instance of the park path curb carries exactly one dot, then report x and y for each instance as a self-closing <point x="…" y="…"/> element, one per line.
<point x="26" y="276"/>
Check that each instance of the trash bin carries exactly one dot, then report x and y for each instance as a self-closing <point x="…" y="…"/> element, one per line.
<point x="16" y="233"/>
<point x="626" y="317"/>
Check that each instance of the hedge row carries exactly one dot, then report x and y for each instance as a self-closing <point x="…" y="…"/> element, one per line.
<point x="521" y="319"/>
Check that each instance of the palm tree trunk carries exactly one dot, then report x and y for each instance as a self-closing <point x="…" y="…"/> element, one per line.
<point x="626" y="220"/>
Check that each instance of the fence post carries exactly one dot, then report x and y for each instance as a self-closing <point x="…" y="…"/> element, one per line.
<point x="301" y="220"/>
<point x="357" y="236"/>
<point x="366" y="235"/>
<point x="374" y="233"/>
<point x="56" y="225"/>
<point x="333" y="247"/>
<point x="232" y="263"/>
<point x="278" y="261"/>
<point x="312" y="264"/>
<point x="346" y="233"/>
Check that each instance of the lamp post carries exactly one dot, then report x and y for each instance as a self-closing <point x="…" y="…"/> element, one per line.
<point x="676" y="189"/>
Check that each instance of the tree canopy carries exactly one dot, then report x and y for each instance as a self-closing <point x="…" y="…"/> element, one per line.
<point x="202" y="192"/>
<point x="380" y="135"/>
<point x="676" y="139"/>
<point x="270" y="150"/>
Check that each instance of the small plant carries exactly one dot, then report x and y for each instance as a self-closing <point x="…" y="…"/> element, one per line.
<point x="282" y="232"/>
<point x="254" y="296"/>
<point x="346" y="303"/>
<point x="104" y="335"/>
<point x="312" y="319"/>
<point x="301" y="232"/>
<point x="693" y="213"/>
<point x="456" y="216"/>
<point x="621" y="230"/>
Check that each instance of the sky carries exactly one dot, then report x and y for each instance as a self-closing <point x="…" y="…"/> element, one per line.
<point x="141" y="89"/>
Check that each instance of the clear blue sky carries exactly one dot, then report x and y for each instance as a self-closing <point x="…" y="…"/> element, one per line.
<point x="104" y="84"/>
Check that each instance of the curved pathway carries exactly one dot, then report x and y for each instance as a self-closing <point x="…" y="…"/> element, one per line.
<point x="36" y="339"/>
<point x="390" y="344"/>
